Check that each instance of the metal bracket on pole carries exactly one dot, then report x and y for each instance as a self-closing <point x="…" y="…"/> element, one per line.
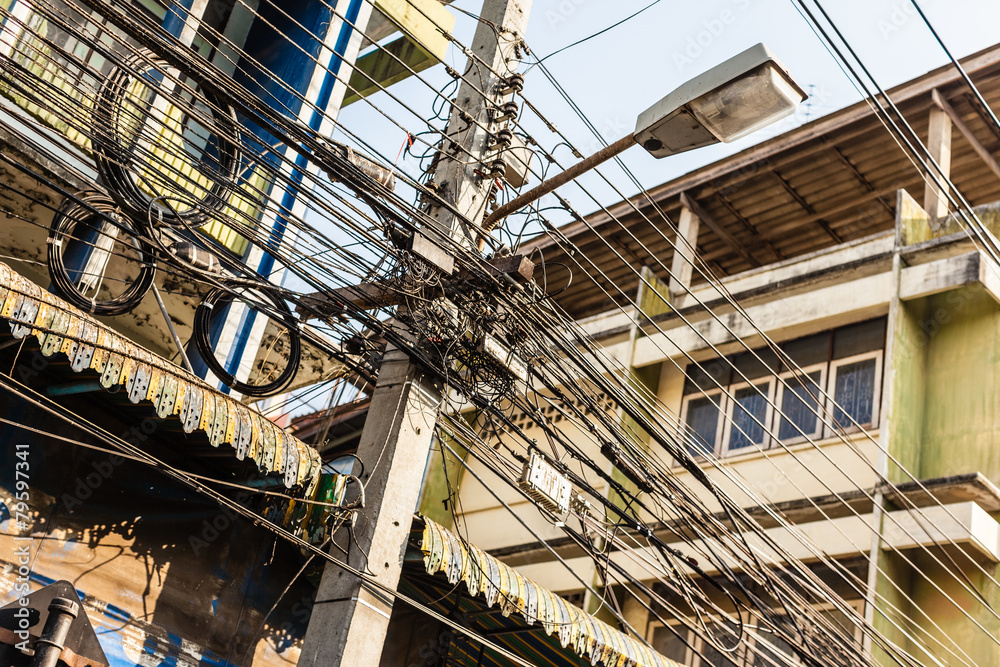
<point x="402" y="418"/>
<point x="427" y="249"/>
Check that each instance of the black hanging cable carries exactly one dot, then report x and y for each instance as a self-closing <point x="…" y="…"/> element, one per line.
<point x="992" y="117"/>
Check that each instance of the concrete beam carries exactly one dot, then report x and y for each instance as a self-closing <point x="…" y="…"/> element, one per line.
<point x="932" y="278"/>
<point x="972" y="268"/>
<point x="822" y="265"/>
<point x="685" y="249"/>
<point x="787" y="317"/>
<point x="939" y="145"/>
<point x="964" y="130"/>
<point x="966" y="524"/>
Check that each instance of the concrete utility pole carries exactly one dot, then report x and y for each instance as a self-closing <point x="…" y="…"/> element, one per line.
<point x="349" y="620"/>
<point x="457" y="180"/>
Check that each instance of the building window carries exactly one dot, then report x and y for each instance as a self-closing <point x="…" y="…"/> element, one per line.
<point x="801" y="398"/>
<point x="856" y="382"/>
<point x="751" y="411"/>
<point x="671" y="642"/>
<point x="837" y="390"/>
<point x="703" y="417"/>
<point x="760" y="647"/>
<point x="684" y="647"/>
<point x="771" y="650"/>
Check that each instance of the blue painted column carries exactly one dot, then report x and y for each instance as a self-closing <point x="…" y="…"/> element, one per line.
<point x="280" y="50"/>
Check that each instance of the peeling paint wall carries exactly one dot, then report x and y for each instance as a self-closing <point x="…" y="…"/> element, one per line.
<point x="961" y="421"/>
<point x="893" y="589"/>
<point x="168" y="577"/>
<point x="961" y="434"/>
<point x="944" y="421"/>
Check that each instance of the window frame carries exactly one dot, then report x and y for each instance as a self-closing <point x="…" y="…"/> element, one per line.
<point x="749" y="652"/>
<point x="877" y="355"/>
<point x="682" y="630"/>
<point x="695" y="645"/>
<point x="720" y="423"/>
<point x="828" y="371"/>
<point x="730" y="411"/>
<point x="745" y="655"/>
<point x="821" y="404"/>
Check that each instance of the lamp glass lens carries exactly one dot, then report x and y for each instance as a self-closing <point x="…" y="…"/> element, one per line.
<point x="747" y="104"/>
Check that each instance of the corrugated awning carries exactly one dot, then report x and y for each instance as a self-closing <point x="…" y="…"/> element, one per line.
<point x="489" y="580"/>
<point x="173" y="393"/>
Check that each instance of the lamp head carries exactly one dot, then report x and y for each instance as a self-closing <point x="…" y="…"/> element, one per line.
<point x="740" y="96"/>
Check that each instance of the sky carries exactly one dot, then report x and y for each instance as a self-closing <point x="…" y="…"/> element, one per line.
<point x="615" y="76"/>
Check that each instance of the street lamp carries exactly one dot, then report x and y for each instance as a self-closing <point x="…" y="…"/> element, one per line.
<point x="733" y="99"/>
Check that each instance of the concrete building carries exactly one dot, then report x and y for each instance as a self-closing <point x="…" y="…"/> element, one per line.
<point x="827" y="236"/>
<point x="830" y="240"/>
<point x="165" y="577"/>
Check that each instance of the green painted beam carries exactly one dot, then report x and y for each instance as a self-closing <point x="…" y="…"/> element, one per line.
<point x="426" y="26"/>
<point x="424" y="21"/>
<point x="378" y="69"/>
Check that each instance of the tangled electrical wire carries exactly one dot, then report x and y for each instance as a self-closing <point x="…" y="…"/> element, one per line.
<point x="181" y="147"/>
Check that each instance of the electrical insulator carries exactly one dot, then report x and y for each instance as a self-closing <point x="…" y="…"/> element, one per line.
<point x="504" y="138"/>
<point x="497" y="169"/>
<point x="505" y="112"/>
<point x="512" y="84"/>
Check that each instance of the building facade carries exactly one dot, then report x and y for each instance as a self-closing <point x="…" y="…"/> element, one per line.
<point x="838" y="374"/>
<point x="165" y="577"/>
<point x="817" y="325"/>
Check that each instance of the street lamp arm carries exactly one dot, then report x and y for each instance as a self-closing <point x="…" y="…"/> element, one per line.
<point x="731" y="100"/>
<point x="545" y="187"/>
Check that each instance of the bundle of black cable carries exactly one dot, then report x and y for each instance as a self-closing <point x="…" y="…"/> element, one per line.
<point x="88" y="231"/>
<point x="263" y="302"/>
<point x="132" y="125"/>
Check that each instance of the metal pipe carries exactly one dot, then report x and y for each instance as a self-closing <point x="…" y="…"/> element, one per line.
<point x="73" y="388"/>
<point x="49" y="646"/>
<point x="545" y="187"/>
<point x="172" y="330"/>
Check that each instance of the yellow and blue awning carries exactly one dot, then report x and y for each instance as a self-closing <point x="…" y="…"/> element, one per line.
<point x="495" y="583"/>
<point x="93" y="347"/>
